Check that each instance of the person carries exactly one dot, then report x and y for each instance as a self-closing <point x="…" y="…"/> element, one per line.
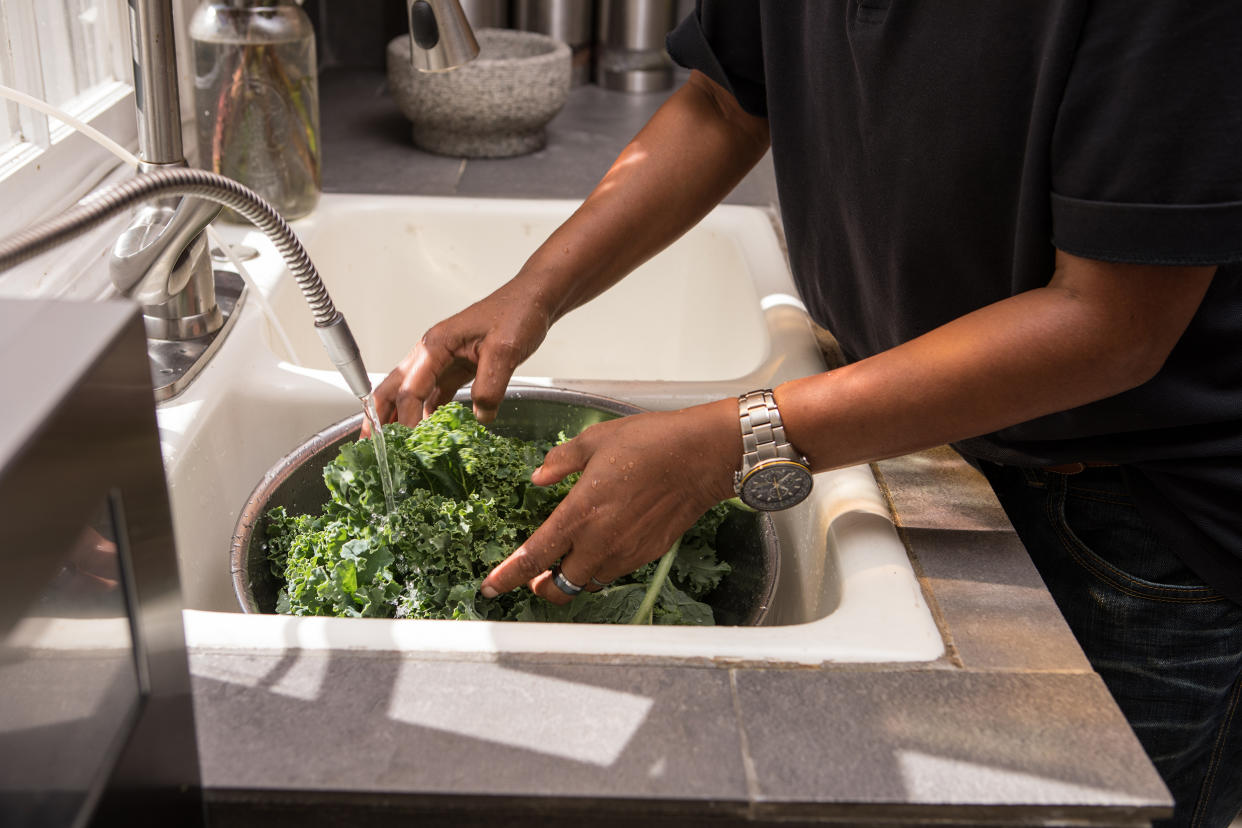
<point x="1023" y="223"/>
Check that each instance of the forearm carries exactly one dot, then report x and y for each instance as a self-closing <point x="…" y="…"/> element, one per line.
<point x="992" y="369"/>
<point x="695" y="149"/>
<point x="1033" y="354"/>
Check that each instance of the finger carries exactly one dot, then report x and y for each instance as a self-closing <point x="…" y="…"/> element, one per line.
<point x="498" y="359"/>
<point x="459" y="372"/>
<point x="542" y="581"/>
<point x="409" y="409"/>
<point x="574" y="567"/>
<point x="419" y="381"/>
<point x="524" y="565"/>
<point x="437" y="399"/>
<point x="565" y="459"/>
<point x="600" y="581"/>
<point x="566" y="535"/>
<point x="545" y="587"/>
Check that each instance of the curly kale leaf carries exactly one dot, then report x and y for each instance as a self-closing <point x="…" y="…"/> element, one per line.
<point x="611" y="605"/>
<point x="696" y="568"/>
<point x="330" y="567"/>
<point x="445" y="547"/>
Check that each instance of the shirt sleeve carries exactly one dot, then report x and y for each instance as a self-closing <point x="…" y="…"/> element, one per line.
<point x="722" y="39"/>
<point x="1146" y="164"/>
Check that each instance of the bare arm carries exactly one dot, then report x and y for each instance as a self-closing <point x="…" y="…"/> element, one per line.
<point x="694" y="150"/>
<point x="1095" y="330"/>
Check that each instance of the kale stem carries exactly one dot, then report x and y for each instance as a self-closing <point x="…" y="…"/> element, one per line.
<point x="646" y="609"/>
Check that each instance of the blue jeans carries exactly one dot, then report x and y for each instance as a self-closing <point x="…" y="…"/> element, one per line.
<point x="1168" y="646"/>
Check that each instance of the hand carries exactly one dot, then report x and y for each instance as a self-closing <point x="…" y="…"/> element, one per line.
<point x="485" y="342"/>
<point x="645" y="479"/>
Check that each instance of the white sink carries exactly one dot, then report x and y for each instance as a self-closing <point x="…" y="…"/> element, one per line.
<point x="663" y="322"/>
<point x="712" y="316"/>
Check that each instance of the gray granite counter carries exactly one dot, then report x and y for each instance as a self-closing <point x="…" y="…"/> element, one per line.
<point x="1010" y="726"/>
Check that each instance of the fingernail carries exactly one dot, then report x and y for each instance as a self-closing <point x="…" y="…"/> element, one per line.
<point x="488" y="591"/>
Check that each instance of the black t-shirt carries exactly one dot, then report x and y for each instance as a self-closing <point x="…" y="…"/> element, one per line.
<point x="931" y="155"/>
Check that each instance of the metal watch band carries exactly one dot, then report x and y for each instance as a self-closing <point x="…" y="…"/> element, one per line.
<point x="763" y="433"/>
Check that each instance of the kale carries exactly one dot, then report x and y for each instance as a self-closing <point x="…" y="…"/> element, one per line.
<point x="464" y="501"/>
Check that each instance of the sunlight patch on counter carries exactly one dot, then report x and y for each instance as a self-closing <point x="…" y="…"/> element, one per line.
<point x="580" y="722"/>
<point x="926" y="777"/>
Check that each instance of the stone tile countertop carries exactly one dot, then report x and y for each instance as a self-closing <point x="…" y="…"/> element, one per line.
<point x="1011" y="726"/>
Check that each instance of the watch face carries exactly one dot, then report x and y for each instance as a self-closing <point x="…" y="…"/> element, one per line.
<point x="776" y="484"/>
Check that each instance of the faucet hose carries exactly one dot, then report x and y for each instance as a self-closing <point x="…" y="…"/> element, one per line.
<point x="103" y="204"/>
<point x="188" y="181"/>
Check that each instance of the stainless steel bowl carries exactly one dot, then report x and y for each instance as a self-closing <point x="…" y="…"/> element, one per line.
<point x="747" y="541"/>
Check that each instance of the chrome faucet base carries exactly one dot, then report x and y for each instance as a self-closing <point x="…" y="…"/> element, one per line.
<point x="176" y="362"/>
<point x="193" y="311"/>
<point x="183" y="327"/>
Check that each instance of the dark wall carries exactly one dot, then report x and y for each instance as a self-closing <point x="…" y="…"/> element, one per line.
<point x="351" y="34"/>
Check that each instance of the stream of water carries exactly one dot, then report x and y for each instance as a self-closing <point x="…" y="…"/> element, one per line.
<point x="381" y="452"/>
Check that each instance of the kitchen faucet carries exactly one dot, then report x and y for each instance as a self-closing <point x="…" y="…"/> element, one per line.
<point x="161" y="260"/>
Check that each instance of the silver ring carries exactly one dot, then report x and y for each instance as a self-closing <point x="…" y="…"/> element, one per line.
<point x="564" y="584"/>
<point x="599" y="583"/>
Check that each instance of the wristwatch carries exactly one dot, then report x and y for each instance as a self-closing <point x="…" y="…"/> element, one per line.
<point x="773" y="475"/>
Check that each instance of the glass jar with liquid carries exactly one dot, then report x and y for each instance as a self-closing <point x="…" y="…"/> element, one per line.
<point x="256" y="97"/>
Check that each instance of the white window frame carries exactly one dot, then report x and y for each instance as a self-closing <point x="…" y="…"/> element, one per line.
<point x="54" y="165"/>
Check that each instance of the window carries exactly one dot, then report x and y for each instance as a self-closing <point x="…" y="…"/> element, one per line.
<point x="73" y="54"/>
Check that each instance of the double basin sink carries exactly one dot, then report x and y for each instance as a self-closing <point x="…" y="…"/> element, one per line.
<point x="712" y="316"/>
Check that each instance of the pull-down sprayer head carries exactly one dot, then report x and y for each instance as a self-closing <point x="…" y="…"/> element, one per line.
<point x="440" y="36"/>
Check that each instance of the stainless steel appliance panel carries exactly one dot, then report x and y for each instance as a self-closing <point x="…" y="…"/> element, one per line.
<point x="97" y="726"/>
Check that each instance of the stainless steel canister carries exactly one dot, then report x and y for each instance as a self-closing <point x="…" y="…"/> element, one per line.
<point x="630" y="53"/>
<point x="571" y="21"/>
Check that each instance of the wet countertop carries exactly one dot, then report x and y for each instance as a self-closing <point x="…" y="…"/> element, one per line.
<point x="1010" y="726"/>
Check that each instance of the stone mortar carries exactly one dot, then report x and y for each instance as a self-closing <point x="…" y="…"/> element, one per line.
<point x="496" y="106"/>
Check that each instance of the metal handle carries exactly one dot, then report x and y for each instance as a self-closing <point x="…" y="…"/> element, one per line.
<point x="145" y="255"/>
